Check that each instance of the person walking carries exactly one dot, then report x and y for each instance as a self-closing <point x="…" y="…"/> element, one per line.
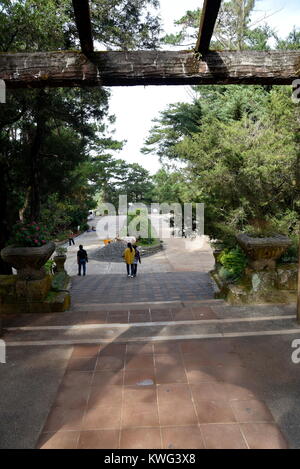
<point x="129" y="255"/>
<point x="71" y="238"/>
<point x="137" y="258"/>
<point x="82" y="259"/>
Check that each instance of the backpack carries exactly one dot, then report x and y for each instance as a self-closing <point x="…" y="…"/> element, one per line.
<point x="137" y="254"/>
<point x="82" y="255"/>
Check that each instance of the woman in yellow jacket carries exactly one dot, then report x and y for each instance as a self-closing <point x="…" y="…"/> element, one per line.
<point x="129" y="255"/>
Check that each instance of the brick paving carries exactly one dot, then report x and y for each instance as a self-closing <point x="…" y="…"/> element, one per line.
<point x="237" y="393"/>
<point x="169" y="286"/>
<point x="93" y="313"/>
<point x="171" y="395"/>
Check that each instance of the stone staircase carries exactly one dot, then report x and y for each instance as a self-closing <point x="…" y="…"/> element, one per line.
<point x="144" y="322"/>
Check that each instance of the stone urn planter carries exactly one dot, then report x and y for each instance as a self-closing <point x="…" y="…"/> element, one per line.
<point x="60" y="262"/>
<point x="263" y="252"/>
<point x="216" y="254"/>
<point x="28" y="261"/>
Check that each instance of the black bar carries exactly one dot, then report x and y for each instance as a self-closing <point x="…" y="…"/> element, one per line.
<point x="209" y="16"/>
<point x="84" y="26"/>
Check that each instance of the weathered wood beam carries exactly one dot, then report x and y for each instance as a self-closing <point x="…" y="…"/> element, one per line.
<point x="68" y="68"/>
<point x="208" y="20"/>
<point x="84" y="26"/>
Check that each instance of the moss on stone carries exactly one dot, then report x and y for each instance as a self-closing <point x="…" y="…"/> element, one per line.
<point x="59" y="281"/>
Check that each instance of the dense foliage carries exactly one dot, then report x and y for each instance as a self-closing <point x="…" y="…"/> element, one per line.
<point x="120" y="178"/>
<point x="55" y="144"/>
<point x="234" y="262"/>
<point x="237" y="146"/>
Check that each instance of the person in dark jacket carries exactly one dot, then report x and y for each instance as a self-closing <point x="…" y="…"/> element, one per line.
<point x="82" y="259"/>
<point x="71" y="238"/>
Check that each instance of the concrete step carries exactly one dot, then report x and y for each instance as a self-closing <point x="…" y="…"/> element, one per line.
<point x="145" y="305"/>
<point x="150" y="332"/>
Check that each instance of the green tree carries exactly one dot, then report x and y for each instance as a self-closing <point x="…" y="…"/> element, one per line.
<point x="242" y="160"/>
<point x="232" y="30"/>
<point x="177" y="121"/>
<point x="126" y="179"/>
<point x="47" y="136"/>
<point x="243" y="166"/>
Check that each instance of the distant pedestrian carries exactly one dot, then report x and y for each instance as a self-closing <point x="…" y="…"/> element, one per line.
<point x="129" y="255"/>
<point x="137" y="259"/>
<point x="82" y="259"/>
<point x="71" y="238"/>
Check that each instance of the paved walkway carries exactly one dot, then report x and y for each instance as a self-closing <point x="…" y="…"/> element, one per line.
<point x="218" y="393"/>
<point x="197" y="376"/>
<point x="167" y="395"/>
<point x="178" y="255"/>
<point x="153" y="362"/>
<point x="152" y="287"/>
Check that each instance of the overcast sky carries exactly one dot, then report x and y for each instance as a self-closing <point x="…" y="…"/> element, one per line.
<point x="135" y="107"/>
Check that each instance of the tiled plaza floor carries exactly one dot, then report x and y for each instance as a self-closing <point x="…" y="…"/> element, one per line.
<point x="167" y="286"/>
<point x="232" y="392"/>
<point x="89" y="313"/>
<point x="184" y="394"/>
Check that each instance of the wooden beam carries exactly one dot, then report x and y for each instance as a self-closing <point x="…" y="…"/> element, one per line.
<point x="208" y="20"/>
<point x="68" y="68"/>
<point x="84" y="26"/>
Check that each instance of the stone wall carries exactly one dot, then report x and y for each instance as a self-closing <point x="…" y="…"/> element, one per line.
<point x="266" y="286"/>
<point x="47" y="295"/>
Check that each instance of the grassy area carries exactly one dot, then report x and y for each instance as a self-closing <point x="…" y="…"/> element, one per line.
<point x="152" y="242"/>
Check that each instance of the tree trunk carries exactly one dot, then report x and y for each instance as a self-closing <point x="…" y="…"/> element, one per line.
<point x="5" y="269"/>
<point x="34" y="198"/>
<point x="25" y="205"/>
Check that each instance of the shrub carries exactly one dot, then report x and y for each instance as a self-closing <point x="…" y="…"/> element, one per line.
<point x="60" y="251"/>
<point x="29" y="235"/>
<point x="148" y="241"/>
<point x="292" y="253"/>
<point x="84" y="227"/>
<point x="59" y="281"/>
<point x="49" y="266"/>
<point x="234" y="262"/>
<point x="225" y="274"/>
<point x="225" y="236"/>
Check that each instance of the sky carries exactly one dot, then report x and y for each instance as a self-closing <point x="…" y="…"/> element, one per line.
<point x="135" y="107"/>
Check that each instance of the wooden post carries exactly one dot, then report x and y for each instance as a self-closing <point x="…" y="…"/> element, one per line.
<point x="208" y="20"/>
<point x="83" y="23"/>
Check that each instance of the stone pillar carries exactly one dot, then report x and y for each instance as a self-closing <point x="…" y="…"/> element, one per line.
<point x="298" y="296"/>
